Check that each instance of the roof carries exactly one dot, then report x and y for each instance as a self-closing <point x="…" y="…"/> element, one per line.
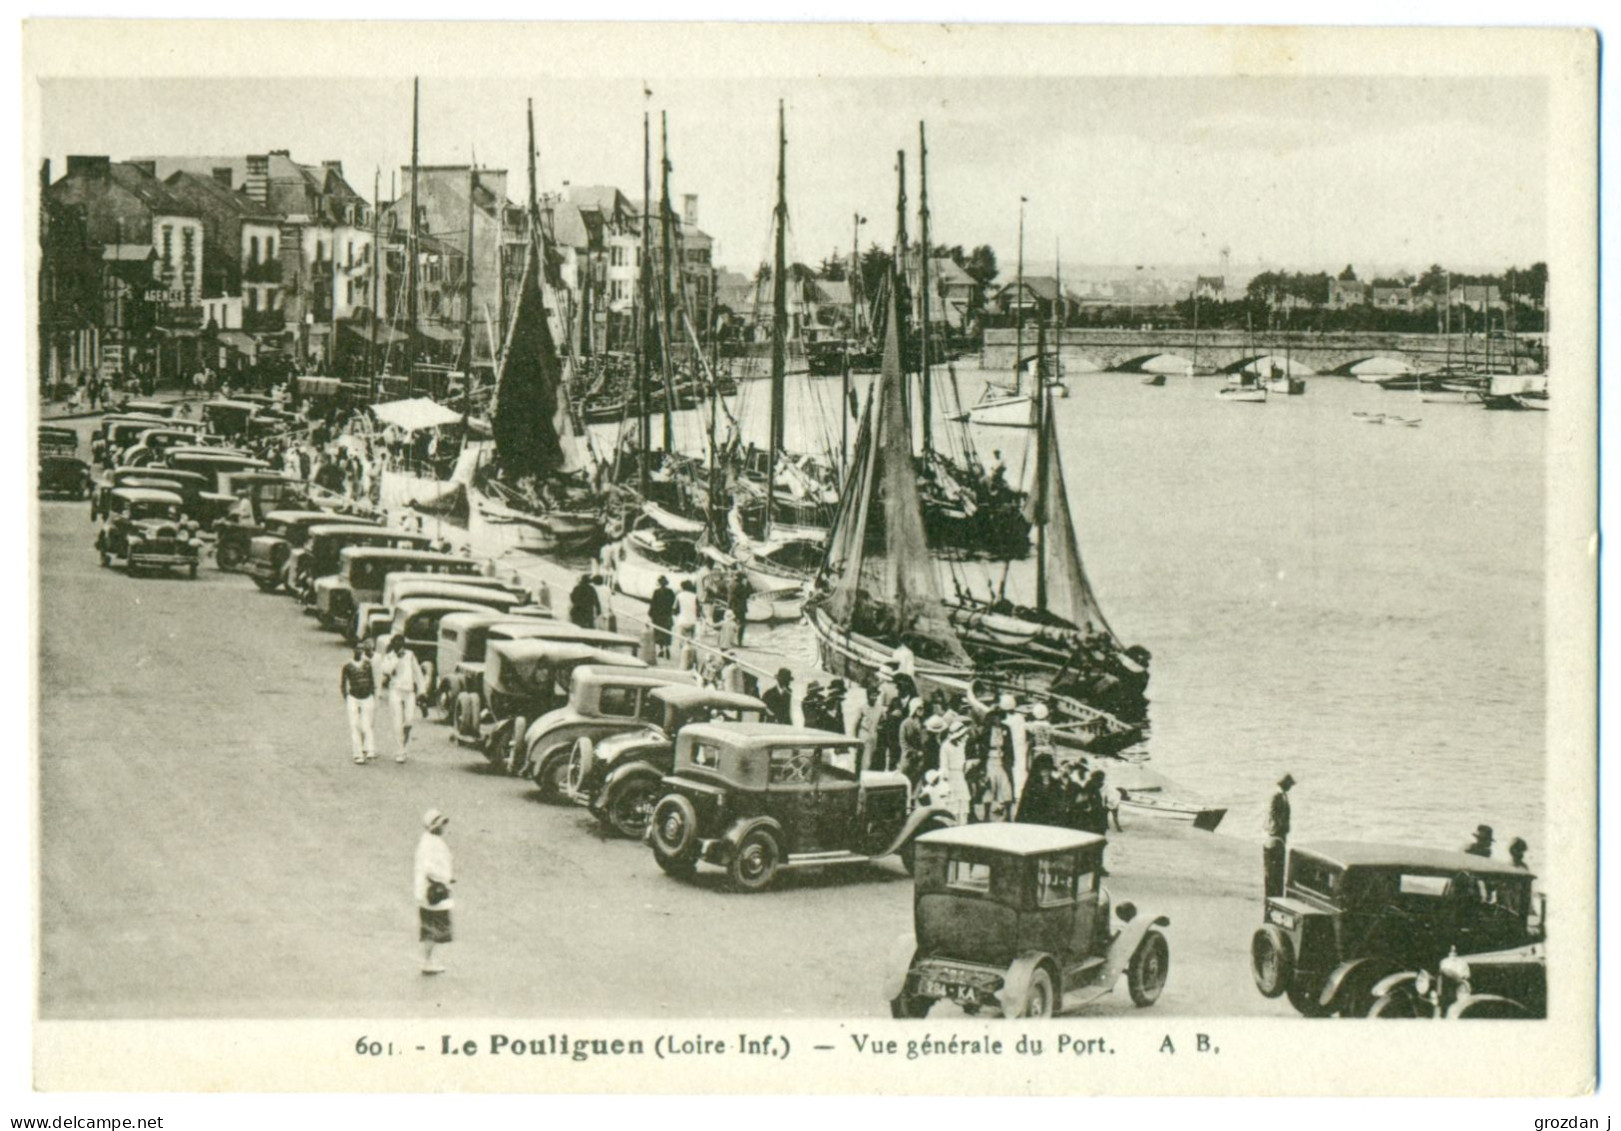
<point x="684" y="696"/>
<point x="214" y="200"/>
<point x="569" y="227"/>
<point x="539" y="629"/>
<point x="486" y="617"/>
<point x="128" y="252"/>
<point x="415" y="414"/>
<point x="1043" y="287"/>
<point x="765" y="734"/>
<point x="563" y="650"/>
<point x="302" y="517"/>
<point x="147" y="495"/>
<point x="338" y="528"/>
<point x="949" y="273"/>
<point x="1016" y="839"/>
<point x="221" y="402"/>
<point x="1356" y="854"/>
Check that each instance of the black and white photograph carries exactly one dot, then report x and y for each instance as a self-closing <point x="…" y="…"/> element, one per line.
<point x="667" y="558"/>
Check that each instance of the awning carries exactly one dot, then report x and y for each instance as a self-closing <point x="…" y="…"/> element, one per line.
<point x="415" y="414"/>
<point x="386" y="335"/>
<point x="242" y="343"/>
<point x="438" y="333"/>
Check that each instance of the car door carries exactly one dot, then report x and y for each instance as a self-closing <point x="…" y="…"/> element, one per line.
<point x="791" y="795"/>
<point x="837" y="797"/>
<point x="1049" y="924"/>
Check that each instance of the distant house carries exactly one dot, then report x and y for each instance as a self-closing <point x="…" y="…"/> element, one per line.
<point x="1036" y="300"/>
<point x="1476" y="297"/>
<point x="1393" y="298"/>
<point x="958" y="293"/>
<point x="1344" y="293"/>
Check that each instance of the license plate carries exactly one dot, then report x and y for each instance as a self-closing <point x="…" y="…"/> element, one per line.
<point x="928" y="987"/>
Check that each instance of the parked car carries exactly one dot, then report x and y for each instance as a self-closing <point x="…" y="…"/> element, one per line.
<point x="1352" y="914"/>
<point x="619" y="774"/>
<point x="463" y="642"/>
<point x="761" y="797"/>
<point x="256" y="495"/>
<point x="1013" y="918"/>
<point x="601" y="701"/>
<point x="118" y="431"/>
<point x="223" y="469"/>
<point x="1501" y="984"/>
<point x="234" y="536"/>
<point x="145" y="529"/>
<point x="61" y="471"/>
<point x="187" y="484"/>
<point x="266" y="554"/>
<point x="523" y="679"/>
<point x="320" y="555"/>
<point x="153" y="444"/>
<point x="149" y="406"/>
<point x="372" y="617"/>
<point x="363" y="570"/>
<point x="416" y="619"/>
<point x="229" y="417"/>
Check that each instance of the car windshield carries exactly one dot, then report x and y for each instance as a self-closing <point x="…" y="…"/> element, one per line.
<point x="146" y="510"/>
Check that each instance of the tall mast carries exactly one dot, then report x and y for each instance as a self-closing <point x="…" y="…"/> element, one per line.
<point x="1447" y="304"/>
<point x="1018" y="308"/>
<point x="666" y="338"/>
<point x="779" y="318"/>
<point x="411" y="251"/>
<point x="923" y="284"/>
<point x="376" y="286"/>
<point x="644" y="426"/>
<point x="899" y="274"/>
<point x="1060" y="313"/>
<point x="467" y="308"/>
<point x="855" y="329"/>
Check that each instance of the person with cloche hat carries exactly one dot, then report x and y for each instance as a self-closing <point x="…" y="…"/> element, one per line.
<point x="431" y="879"/>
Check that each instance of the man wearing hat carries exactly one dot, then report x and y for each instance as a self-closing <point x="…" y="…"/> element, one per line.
<point x="431" y="878"/>
<point x="810" y="706"/>
<point x="1482" y="844"/>
<point x="1277" y="836"/>
<point x="779" y="700"/>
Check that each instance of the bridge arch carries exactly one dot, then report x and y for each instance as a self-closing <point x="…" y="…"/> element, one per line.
<point x="1373" y="365"/>
<point x="1159" y="362"/>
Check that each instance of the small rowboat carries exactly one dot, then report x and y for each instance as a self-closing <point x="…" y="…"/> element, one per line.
<point x="1199" y="816"/>
<point x="1369" y="417"/>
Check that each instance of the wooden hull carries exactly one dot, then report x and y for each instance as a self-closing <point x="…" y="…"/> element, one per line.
<point x="1243" y="396"/>
<point x="1203" y="817"/>
<point x="1000" y="412"/>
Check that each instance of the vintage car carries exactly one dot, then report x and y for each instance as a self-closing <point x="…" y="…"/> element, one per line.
<point x="255" y="496"/>
<point x="523" y="679"/>
<point x="756" y="798"/>
<point x="417" y="619"/>
<point x="187" y="484"/>
<point x="274" y="535"/>
<point x="620" y="775"/>
<point x="229" y="417"/>
<point x="1352" y="914"/>
<point x="602" y="701"/>
<point x="144" y="528"/>
<point x="150" y="406"/>
<point x="1012" y="918"/>
<point x="61" y="471"/>
<point x="1510" y="984"/>
<point x="319" y="555"/>
<point x="225" y="471"/>
<point x="117" y="432"/>
<point x="464" y="639"/>
<point x="153" y="444"/>
<point x="363" y="570"/>
<point x="372" y="617"/>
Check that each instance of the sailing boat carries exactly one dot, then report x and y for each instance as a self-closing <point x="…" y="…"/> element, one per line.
<point x="879" y="600"/>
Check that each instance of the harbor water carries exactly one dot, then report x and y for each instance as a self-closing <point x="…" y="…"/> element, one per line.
<point x="1360" y="605"/>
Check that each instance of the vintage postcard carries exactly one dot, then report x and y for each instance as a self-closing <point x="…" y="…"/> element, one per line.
<point x="813" y="558"/>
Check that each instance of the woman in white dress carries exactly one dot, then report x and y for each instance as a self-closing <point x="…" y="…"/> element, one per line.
<point x="404" y="681"/>
<point x="953" y="759"/>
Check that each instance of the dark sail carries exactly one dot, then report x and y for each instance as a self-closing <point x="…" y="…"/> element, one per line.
<point x="526" y="440"/>
<point x="1068" y="592"/>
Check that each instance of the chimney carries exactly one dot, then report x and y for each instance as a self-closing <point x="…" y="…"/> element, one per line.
<point x="689" y="209"/>
<point x="223" y="176"/>
<point x="333" y="167"/>
<point x="150" y="168"/>
<point x="257" y="180"/>
<point x="287" y="153"/>
<point x="89" y="166"/>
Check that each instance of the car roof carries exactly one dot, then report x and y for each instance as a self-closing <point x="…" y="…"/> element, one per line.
<point x="132" y="418"/>
<point x="157" y="471"/>
<point x="346" y="527"/>
<point x="414" y="605"/>
<point x="221" y="402"/>
<point x="767" y="734"/>
<point x="491" y="618"/>
<point x="683" y="695"/>
<point x="148" y="495"/>
<point x="57" y="430"/>
<point x="540" y="628"/>
<point x="1358" y="854"/>
<point x="564" y="650"/>
<point x="404" y="555"/>
<point x="296" y="515"/>
<point x="217" y="455"/>
<point x="1014" y="839"/>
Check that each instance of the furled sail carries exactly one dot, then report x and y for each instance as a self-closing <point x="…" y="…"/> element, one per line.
<point x="1068" y="592"/>
<point x="886" y="586"/>
<point x="527" y="402"/>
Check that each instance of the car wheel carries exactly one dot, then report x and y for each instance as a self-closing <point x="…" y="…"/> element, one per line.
<point x="908" y="1006"/>
<point x="1305" y="994"/>
<point x="754" y="865"/>
<point x="465" y="717"/>
<point x="1145" y="976"/>
<point x="674" y="834"/>
<point x="106" y="559"/>
<point x="551" y="774"/>
<point x="229" y="558"/>
<point x="516" y="759"/>
<point x="630" y="806"/>
<point x="1272" y="961"/>
<point x="266" y="585"/>
<point x="1400" y="1004"/>
<point x="1038" y="996"/>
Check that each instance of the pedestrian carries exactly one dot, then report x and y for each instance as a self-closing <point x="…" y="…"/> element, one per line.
<point x="1517" y="849"/>
<point x="731" y="674"/>
<point x="737" y="600"/>
<point x="605" y="609"/>
<point x="810" y="706"/>
<point x="779" y="700"/>
<point x="432" y="875"/>
<point x="834" y="712"/>
<point x="661" y="611"/>
<point x="911" y="741"/>
<point x="404" y="680"/>
<point x="953" y="763"/>
<point x="582" y="603"/>
<point x="1482" y="844"/>
<point x="731" y="629"/>
<point x="998" y="745"/>
<point x="1043" y="802"/>
<point x="1018" y="753"/>
<point x="358" y="685"/>
<point x="1277" y="837"/>
<point x="686" y="624"/>
<point x="934" y="734"/>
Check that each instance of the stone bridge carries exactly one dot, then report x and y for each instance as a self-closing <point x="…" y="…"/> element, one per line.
<point x="1085" y="349"/>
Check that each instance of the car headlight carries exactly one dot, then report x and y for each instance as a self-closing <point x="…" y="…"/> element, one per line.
<point x="1455" y="968"/>
<point x="1422" y="983"/>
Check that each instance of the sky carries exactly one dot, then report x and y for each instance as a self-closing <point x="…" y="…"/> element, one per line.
<point x="1303" y="173"/>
